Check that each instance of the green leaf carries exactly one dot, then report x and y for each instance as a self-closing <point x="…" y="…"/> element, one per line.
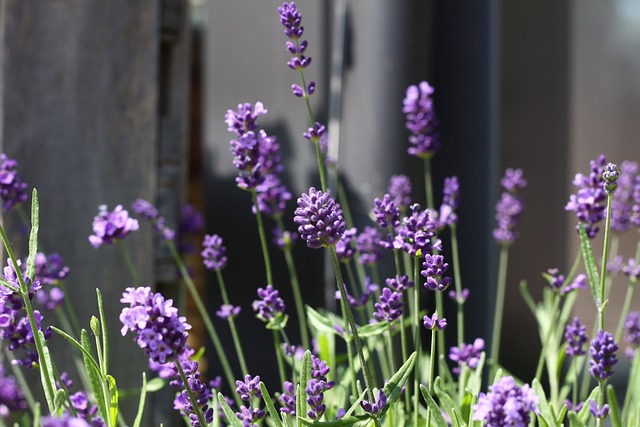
<point x="323" y="322"/>
<point x="33" y="236"/>
<point x="228" y="412"/>
<point x="155" y="384"/>
<point x="445" y="399"/>
<point x="46" y="359"/>
<point x="94" y="375"/>
<point x="475" y="381"/>
<point x="589" y="263"/>
<point x="614" y="408"/>
<point x="105" y="334"/>
<point x="526" y="296"/>
<point x="574" y="420"/>
<point x="372" y="329"/>
<point x="305" y="375"/>
<point x="543" y="405"/>
<point x="584" y="413"/>
<point x="278" y="323"/>
<point x="433" y="407"/>
<point x="113" y="404"/>
<point x="141" y="402"/>
<point x="352" y="421"/>
<point x="393" y="387"/>
<point x="85" y="353"/>
<point x="59" y="399"/>
<point x="270" y="407"/>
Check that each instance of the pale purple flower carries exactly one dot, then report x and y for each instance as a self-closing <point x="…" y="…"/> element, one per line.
<point x="602" y="354"/>
<point x="467" y="354"/>
<point x="464" y="294"/>
<point x="272" y="196"/>
<point x="623" y="201"/>
<point x="432" y="323"/>
<point x="447" y="215"/>
<point x="416" y="235"/>
<point x="374" y="408"/>
<point x="284" y="239"/>
<point x="149" y="212"/>
<point x="579" y="282"/>
<point x="368" y="244"/>
<point x="632" y="333"/>
<point x="509" y="207"/>
<point x="190" y="225"/>
<point x="244" y="119"/>
<point x="400" y="190"/>
<point x="389" y="307"/>
<point x="632" y="270"/>
<point x="434" y="269"/>
<point x="50" y="269"/>
<point x="250" y="416"/>
<point x="64" y="420"/>
<point x="399" y="283"/>
<point x="506" y="404"/>
<point x="596" y="411"/>
<point x="248" y="388"/>
<point x="13" y="190"/>
<point x="421" y="120"/>
<point x="344" y="247"/>
<point x="576" y="336"/>
<point x="513" y="180"/>
<point x="270" y="306"/>
<point x="111" y="226"/>
<point x="589" y="202"/>
<point x="319" y="219"/>
<point x="12" y="398"/>
<point x="227" y="311"/>
<point x="614" y="265"/>
<point x="386" y="211"/>
<point x="213" y="252"/>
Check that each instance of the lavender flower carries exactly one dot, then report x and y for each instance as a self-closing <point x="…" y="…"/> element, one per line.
<point x="247" y="159"/>
<point x="432" y="323"/>
<point x="288" y="399"/>
<point x="344" y="248"/>
<point x="610" y="176"/>
<point x="421" y="120"/>
<point x="389" y="308"/>
<point x="214" y="252"/>
<point x="270" y="306"/>
<point x="632" y="270"/>
<point x="450" y="202"/>
<point x="149" y="212"/>
<point x="50" y="269"/>
<point x="374" y="408"/>
<point x="509" y="207"/>
<point x="111" y="226"/>
<point x="589" y="202"/>
<point x="190" y="225"/>
<point x="245" y="118"/>
<point x="580" y="282"/>
<point x="12" y="398"/>
<point x="602" y="356"/>
<point x="13" y="190"/>
<point x="284" y="239"/>
<point x="161" y="333"/>
<point x="200" y="391"/>
<point x="632" y="333"/>
<point x="318" y="133"/>
<point x="369" y="289"/>
<point x="400" y="190"/>
<point x="467" y="354"/>
<point x="576" y="336"/>
<point x="623" y="201"/>
<point x="399" y="283"/>
<point x="434" y="268"/>
<point x="272" y="196"/>
<point x="319" y="371"/>
<point x="65" y="420"/>
<point x="614" y="265"/>
<point x="506" y="404"/>
<point x="250" y="416"/>
<point x="227" y="311"/>
<point x="291" y="18"/>
<point x="248" y="388"/>
<point x="386" y="211"/>
<point x="460" y="299"/>
<point x="11" y="298"/>
<point x="597" y="412"/>
<point x="368" y="244"/>
<point x="319" y="219"/>
<point x="15" y="329"/>
<point x="416" y="234"/>
<point x="315" y="396"/>
<point x="84" y="410"/>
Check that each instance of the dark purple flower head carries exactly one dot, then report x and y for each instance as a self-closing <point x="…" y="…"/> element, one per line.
<point x="250" y="416"/>
<point x="255" y="155"/>
<point x="288" y="399"/>
<point x="149" y="212"/>
<point x="291" y="18"/>
<point x="50" y="269"/>
<point x="368" y="244"/>
<point x="201" y="392"/>
<point x="416" y="234"/>
<point x="632" y="333"/>
<point x="272" y="196"/>
<point x="509" y="208"/>
<point x="576" y="336"/>
<point x="399" y="283"/>
<point x="369" y="289"/>
<point x="315" y="397"/>
<point x="555" y="279"/>
<point x="15" y="330"/>
<point x="248" y="388"/>
<point x="270" y="306"/>
<point x="319" y="219"/>
<point x="386" y="211"/>
<point x="374" y="408"/>
<point x="389" y="307"/>
<point x="467" y="354"/>
<point x="161" y="333"/>
<point x="214" y="252"/>
<point x="632" y="270"/>
<point x="434" y="269"/>
<point x="597" y="412"/>
<point x="316" y="133"/>
<point x="13" y="190"/>
<point x="227" y="311"/>
<point x="460" y="299"/>
<point x="284" y="240"/>
<point x="421" y="120"/>
<point x="623" y="201"/>
<point x="344" y="247"/>
<point x="320" y="370"/>
<point x="579" y="282"/>
<point x="400" y="190"/>
<point x="602" y="353"/>
<point x="111" y="226"/>
<point x="610" y="177"/>
<point x="506" y="404"/>
<point x="589" y="201"/>
<point x="432" y="323"/>
<point x="245" y="118"/>
<point x="12" y="398"/>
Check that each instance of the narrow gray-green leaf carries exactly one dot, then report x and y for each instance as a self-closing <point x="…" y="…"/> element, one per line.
<point x="113" y="404"/>
<point x="59" y="399"/>
<point x="105" y="334"/>
<point x="79" y="346"/>
<point x="393" y="387"/>
<point x="614" y="408"/>
<point x="433" y="407"/>
<point x="305" y="376"/>
<point x="589" y="262"/>
<point x="141" y="402"/>
<point x="93" y="372"/>
<point x="46" y="359"/>
<point x="584" y="413"/>
<point x="33" y="236"/>
<point x="372" y="329"/>
<point x="543" y="404"/>
<point x="228" y="412"/>
<point x="275" y="417"/>
<point x="352" y="421"/>
<point x="155" y="384"/>
<point x="574" y="420"/>
<point x="445" y="399"/>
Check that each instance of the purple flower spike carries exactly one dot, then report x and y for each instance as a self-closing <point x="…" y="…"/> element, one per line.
<point x="368" y="244"/>
<point x="632" y="270"/>
<point x="632" y="333"/>
<point x="344" y="248"/>
<point x="288" y="399"/>
<point x="111" y="226"/>
<point x="245" y="118"/>
<point x="270" y="306"/>
<point x="400" y="190"/>
<point x="389" y="308"/>
<point x="319" y="219"/>
<point x="610" y="176"/>
<point x="433" y="323"/>
<point x="213" y="252"/>
<point x="509" y="208"/>
<point x="13" y="190"/>
<point x="513" y="180"/>
<point x="272" y="196"/>
<point x="11" y="396"/>
<point x="421" y="121"/>
<point x="467" y="354"/>
<point x="450" y="202"/>
<point x="597" y="412"/>
<point x="248" y="388"/>
<point x="602" y="356"/>
<point x="589" y="202"/>
<point x="386" y="211"/>
<point x="399" y="283"/>
<point x="576" y="336"/>
<point x="227" y="311"/>
<point x="374" y="408"/>
<point x="149" y="212"/>
<point x="315" y="396"/>
<point x="417" y="232"/>
<point x="434" y="269"/>
<point x="623" y="199"/>
<point x="65" y="420"/>
<point x="506" y="404"/>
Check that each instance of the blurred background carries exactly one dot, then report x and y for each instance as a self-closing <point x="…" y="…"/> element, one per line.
<point x="104" y="102"/>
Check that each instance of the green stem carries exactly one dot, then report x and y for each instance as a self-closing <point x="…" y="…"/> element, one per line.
<point x="232" y="325"/>
<point x="82" y="372"/>
<point x="352" y="323"/>
<point x="547" y="338"/>
<point x="127" y="259"/>
<point x="277" y="344"/>
<point x="457" y="279"/>
<point x="392" y="361"/>
<point x="428" y="183"/>
<point x="625" y="309"/>
<point x="416" y="339"/>
<point x="22" y="381"/>
<point x="192" y="398"/>
<point x="432" y="368"/>
<point x="193" y="291"/>
<point x="603" y="271"/>
<point x="439" y="333"/>
<point x="499" y="308"/>
<point x="263" y="239"/>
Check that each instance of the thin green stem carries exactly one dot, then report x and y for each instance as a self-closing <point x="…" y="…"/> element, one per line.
<point x="352" y="323"/>
<point x="82" y="372"/>
<point x="232" y="325"/>
<point x="603" y="271"/>
<point x="392" y="361"/>
<point x="277" y="344"/>
<point x="428" y="183"/>
<point x="68" y="306"/>
<point x="499" y="308"/>
<point x="193" y="291"/>
<point x="439" y="333"/>
<point x="22" y="381"/>
<point x="625" y="309"/>
<point x="432" y="368"/>
<point x="192" y="397"/>
<point x="457" y="279"/>
<point x="263" y="239"/>
<point x="416" y="339"/>
<point x="128" y="261"/>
